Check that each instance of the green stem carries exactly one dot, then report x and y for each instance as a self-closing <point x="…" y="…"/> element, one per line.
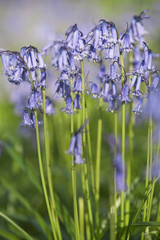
<point x="88" y="201"/>
<point x="81" y="217"/>
<point x="74" y="188"/>
<point x="76" y="221"/>
<point x="147" y="206"/>
<point x="23" y="232"/>
<point x="83" y="96"/>
<point x="129" y="160"/>
<point x="48" y="165"/>
<point x="113" y="192"/>
<point x="130" y="156"/>
<point x="90" y="155"/>
<point x="88" y="233"/>
<point x="52" y="221"/>
<point x="123" y="138"/>
<point x="114" y="172"/>
<point x="112" y="205"/>
<point x="98" y="161"/>
<point x="85" y="169"/>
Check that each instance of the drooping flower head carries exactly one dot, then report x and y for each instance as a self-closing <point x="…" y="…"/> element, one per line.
<point x="137" y="30"/>
<point x="17" y="64"/>
<point x="75" y="147"/>
<point x="120" y="173"/>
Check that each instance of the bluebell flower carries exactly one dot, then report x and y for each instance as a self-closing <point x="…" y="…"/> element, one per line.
<point x="15" y="78"/>
<point x="64" y="75"/>
<point x="60" y="90"/>
<point x="120" y="173"/>
<point x="72" y="144"/>
<point x="41" y="63"/>
<point x="137" y="58"/>
<point x="29" y="121"/>
<point x="63" y="89"/>
<point x="5" y="61"/>
<point x="78" y="159"/>
<point x="137" y="105"/>
<point x="75" y="147"/>
<point x="104" y="25"/>
<point x="22" y="51"/>
<point x="61" y="60"/>
<point x="110" y="53"/>
<point x="133" y="81"/>
<point x="125" y="94"/>
<point x="94" y="90"/>
<point x="148" y="57"/>
<point x="32" y="116"/>
<point x="13" y="61"/>
<point x="149" y="61"/>
<point x="138" y="85"/>
<point x="126" y="45"/>
<point x="68" y="108"/>
<point x="76" y="42"/>
<point x="114" y="36"/>
<point x="114" y="90"/>
<point x="27" y="59"/>
<point x="14" y="64"/>
<point x="152" y="106"/>
<point x="105" y="89"/>
<point x="33" y="58"/>
<point x="12" y="67"/>
<point x="154" y="84"/>
<point x="73" y="68"/>
<point x="43" y="78"/>
<point x="26" y="121"/>
<point x="72" y="34"/>
<point x="142" y="68"/>
<point x="103" y="36"/>
<point x="77" y="102"/>
<point x="112" y="106"/>
<point x="102" y="72"/>
<point x="49" y="107"/>
<point x="113" y="73"/>
<point x="92" y="55"/>
<point x="32" y="104"/>
<point x="77" y="86"/>
<point x="97" y="38"/>
<point x="34" y="75"/>
<point x="137" y="28"/>
<point x="35" y="100"/>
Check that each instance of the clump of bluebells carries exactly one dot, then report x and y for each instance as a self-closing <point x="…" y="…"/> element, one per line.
<point x="115" y="84"/>
<point x="103" y="45"/>
<point x="28" y="66"/>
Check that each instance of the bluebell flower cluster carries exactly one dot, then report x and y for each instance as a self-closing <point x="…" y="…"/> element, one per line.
<point x="103" y="45"/>
<point x="27" y="65"/>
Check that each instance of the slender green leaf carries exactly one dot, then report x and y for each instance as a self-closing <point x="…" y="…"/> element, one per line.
<point x="23" y="232"/>
<point x="27" y="205"/>
<point x="7" y="235"/>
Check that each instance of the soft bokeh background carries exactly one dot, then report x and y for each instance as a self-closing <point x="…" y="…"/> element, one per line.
<point x="38" y="22"/>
